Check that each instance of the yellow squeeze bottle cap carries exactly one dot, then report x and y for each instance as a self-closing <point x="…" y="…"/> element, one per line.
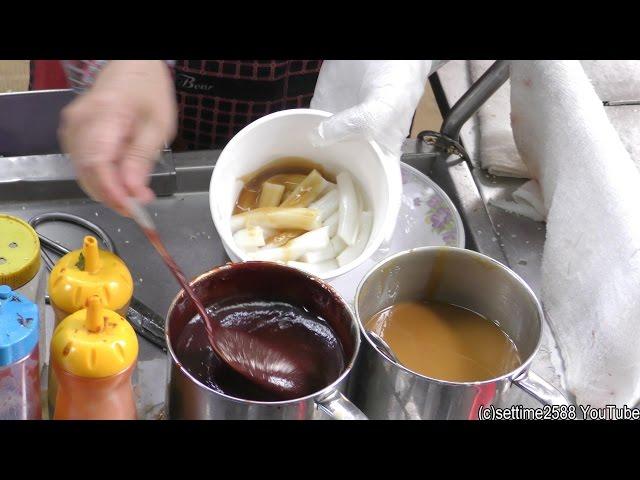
<point x="19" y="252"/>
<point x="90" y="271"/>
<point x="94" y="342"/>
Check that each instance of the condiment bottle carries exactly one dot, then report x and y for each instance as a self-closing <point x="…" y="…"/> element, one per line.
<point x="21" y="268"/>
<point x="81" y="274"/>
<point x="93" y="353"/>
<point x="19" y="256"/>
<point x="19" y="357"/>
<point x="86" y="272"/>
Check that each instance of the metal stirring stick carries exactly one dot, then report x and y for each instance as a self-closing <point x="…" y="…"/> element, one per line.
<point x="249" y="356"/>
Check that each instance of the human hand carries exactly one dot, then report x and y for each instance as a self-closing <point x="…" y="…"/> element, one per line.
<point x="373" y="98"/>
<point x="116" y="130"/>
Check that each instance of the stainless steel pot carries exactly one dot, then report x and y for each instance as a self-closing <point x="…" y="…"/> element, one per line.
<point x="383" y="389"/>
<point x="187" y="398"/>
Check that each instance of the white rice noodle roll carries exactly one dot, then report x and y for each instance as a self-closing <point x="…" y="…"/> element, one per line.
<point x="270" y="195"/>
<point x="352" y="252"/>
<point x="338" y="245"/>
<point x="277" y="218"/>
<point x="306" y="191"/>
<point x="327" y="253"/>
<point x="332" y="223"/>
<point x="249" y="238"/>
<point x="327" y="204"/>
<point x="308" y="242"/>
<point x="349" y="209"/>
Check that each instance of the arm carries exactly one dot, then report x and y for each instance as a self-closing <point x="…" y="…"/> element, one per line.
<point x="82" y="73"/>
<point x="373" y="98"/>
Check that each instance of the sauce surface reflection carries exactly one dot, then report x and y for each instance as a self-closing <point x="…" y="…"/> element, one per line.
<point x="296" y="332"/>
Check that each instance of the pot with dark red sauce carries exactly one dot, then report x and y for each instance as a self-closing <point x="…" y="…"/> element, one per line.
<point x="295" y="314"/>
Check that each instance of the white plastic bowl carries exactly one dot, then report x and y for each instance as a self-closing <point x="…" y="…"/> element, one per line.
<point x="287" y="133"/>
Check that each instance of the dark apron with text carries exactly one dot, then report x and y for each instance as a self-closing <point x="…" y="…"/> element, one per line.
<point x="217" y="98"/>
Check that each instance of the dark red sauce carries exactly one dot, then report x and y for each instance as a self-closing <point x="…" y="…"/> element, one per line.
<point x="265" y="360"/>
<point x="296" y="332"/>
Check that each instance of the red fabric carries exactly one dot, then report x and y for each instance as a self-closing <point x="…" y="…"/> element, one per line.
<point x="47" y="75"/>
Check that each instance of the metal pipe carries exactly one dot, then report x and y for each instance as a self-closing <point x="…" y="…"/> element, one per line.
<point x="474" y="98"/>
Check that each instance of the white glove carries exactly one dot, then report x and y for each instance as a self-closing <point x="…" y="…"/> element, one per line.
<point x="373" y="98"/>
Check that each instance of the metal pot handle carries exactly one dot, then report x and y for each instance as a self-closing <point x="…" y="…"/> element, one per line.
<point x="339" y="407"/>
<point x="540" y="389"/>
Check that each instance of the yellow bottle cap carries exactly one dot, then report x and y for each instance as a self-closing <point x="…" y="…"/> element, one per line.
<point x="90" y="271"/>
<point x="94" y="342"/>
<point x="19" y="252"/>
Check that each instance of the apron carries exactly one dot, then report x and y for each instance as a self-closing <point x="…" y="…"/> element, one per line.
<point x="217" y="98"/>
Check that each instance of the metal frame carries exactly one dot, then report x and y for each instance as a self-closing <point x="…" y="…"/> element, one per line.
<point x="442" y="155"/>
<point x="474" y="98"/>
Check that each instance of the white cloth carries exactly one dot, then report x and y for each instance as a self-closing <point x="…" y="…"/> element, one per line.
<point x="527" y="201"/>
<point x="626" y="121"/>
<point x="373" y="98"/>
<point x="614" y="79"/>
<point x="591" y="260"/>
<point x="611" y="79"/>
<point x="498" y="152"/>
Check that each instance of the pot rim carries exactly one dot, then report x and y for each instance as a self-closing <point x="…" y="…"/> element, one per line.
<point x="312" y="396"/>
<point x="511" y="375"/>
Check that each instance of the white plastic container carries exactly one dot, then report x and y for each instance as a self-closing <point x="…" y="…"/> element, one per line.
<point x="285" y="134"/>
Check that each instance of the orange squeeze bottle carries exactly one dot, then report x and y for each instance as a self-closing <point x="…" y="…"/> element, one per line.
<point x="79" y="275"/>
<point x="93" y="353"/>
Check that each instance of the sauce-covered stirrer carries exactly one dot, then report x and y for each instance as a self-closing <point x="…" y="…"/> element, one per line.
<point x="249" y="356"/>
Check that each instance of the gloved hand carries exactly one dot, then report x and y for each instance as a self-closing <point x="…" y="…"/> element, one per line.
<point x="375" y="99"/>
<point x="116" y="130"/>
<point x="372" y="98"/>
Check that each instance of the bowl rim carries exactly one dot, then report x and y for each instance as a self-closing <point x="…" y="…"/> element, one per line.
<point x="461" y="240"/>
<point x="371" y="247"/>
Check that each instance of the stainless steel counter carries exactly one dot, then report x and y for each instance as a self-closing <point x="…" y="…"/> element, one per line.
<point x="188" y="232"/>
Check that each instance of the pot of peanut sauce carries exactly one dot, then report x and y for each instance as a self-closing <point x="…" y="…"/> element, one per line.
<point x="463" y="328"/>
